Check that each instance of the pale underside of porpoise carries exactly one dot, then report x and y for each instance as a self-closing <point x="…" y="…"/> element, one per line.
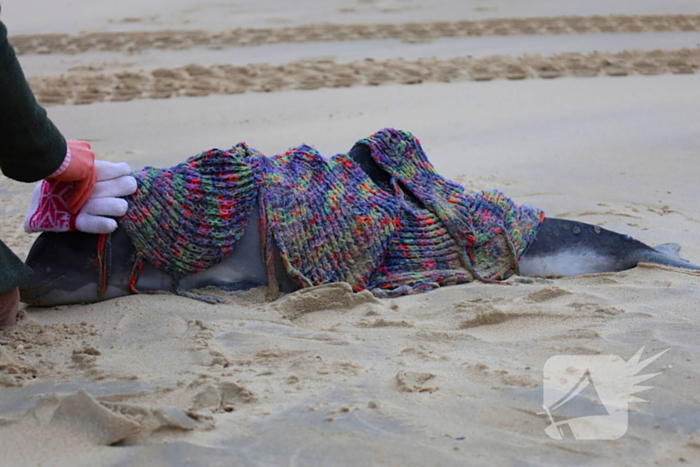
<point x="65" y="272"/>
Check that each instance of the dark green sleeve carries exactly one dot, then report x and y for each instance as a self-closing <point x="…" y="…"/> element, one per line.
<point x="31" y="147"/>
<point x="12" y="270"/>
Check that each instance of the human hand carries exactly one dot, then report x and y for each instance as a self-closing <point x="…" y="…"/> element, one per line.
<point x="49" y="210"/>
<point x="81" y="171"/>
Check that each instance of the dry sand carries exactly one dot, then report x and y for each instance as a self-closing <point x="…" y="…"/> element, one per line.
<point x="325" y="376"/>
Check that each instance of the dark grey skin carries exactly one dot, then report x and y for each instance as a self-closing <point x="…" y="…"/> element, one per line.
<point x="565" y="248"/>
<point x="65" y="272"/>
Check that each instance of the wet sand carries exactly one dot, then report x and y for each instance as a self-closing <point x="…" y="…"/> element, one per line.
<point x="328" y="377"/>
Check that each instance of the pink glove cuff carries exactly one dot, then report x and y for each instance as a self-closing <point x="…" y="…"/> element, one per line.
<point x="49" y="211"/>
<point x="64" y="165"/>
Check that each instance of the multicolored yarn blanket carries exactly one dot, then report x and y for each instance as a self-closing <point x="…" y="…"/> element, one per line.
<point x="328" y="220"/>
<point x="187" y="218"/>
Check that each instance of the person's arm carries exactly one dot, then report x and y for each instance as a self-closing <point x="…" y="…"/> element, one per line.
<point x="31" y="147"/>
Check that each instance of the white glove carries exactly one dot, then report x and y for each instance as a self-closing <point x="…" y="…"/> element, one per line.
<point x="49" y="210"/>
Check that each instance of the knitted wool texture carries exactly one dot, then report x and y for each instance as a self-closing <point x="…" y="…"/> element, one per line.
<point x="454" y="237"/>
<point x="328" y="220"/>
<point x="188" y="218"/>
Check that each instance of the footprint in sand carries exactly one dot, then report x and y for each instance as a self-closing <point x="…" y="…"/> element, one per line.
<point x="385" y="323"/>
<point x="547" y="294"/>
<point x="411" y="381"/>
<point x="14" y="370"/>
<point x="222" y="397"/>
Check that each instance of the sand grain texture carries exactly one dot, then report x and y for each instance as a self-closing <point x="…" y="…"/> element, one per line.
<point x="84" y="87"/>
<point x="325" y="376"/>
<point x="133" y="42"/>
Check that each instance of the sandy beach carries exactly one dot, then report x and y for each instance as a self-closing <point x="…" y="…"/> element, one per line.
<point x="587" y="110"/>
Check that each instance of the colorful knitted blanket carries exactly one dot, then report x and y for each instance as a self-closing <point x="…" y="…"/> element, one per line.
<point x="328" y="220"/>
<point x="187" y="218"/>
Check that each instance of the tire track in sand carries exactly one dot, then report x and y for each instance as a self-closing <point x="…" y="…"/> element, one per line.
<point x="196" y="80"/>
<point x="407" y="32"/>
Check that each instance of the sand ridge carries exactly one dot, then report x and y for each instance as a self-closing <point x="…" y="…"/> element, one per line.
<point x="407" y="32"/>
<point x="85" y="87"/>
